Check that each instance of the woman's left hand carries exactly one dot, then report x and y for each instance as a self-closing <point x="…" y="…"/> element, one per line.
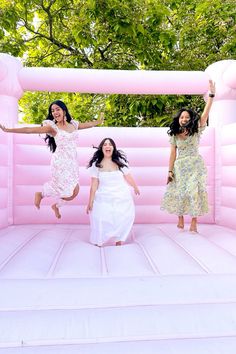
<point x="136" y="191"/>
<point x="212" y="87"/>
<point x="101" y="118"/>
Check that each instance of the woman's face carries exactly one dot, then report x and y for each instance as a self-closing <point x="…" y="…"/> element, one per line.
<point x="57" y="113"/>
<point x="107" y="148"/>
<point x="184" y="118"/>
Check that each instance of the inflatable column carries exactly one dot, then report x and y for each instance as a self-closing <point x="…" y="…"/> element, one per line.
<point x="223" y="118"/>
<point x="10" y="92"/>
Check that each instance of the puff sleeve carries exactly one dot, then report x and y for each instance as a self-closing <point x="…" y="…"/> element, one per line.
<point x="172" y="140"/>
<point x="51" y="123"/>
<point x="201" y="130"/>
<point x="125" y="170"/>
<point x="75" y="123"/>
<point x="93" y="171"/>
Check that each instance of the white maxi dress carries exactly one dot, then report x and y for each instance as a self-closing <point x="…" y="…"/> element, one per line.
<point x="113" y="211"/>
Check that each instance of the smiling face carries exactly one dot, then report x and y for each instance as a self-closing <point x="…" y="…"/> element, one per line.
<point x="107" y="148"/>
<point x="184" y="118"/>
<point x="57" y="113"/>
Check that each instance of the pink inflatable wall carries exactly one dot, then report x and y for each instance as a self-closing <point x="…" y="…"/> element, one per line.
<point x="148" y="154"/>
<point x="226" y="213"/>
<point x="4" y="178"/>
<point x="24" y="162"/>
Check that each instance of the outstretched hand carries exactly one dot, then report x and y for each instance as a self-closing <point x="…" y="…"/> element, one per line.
<point x="101" y="118"/>
<point x="3" y="128"/>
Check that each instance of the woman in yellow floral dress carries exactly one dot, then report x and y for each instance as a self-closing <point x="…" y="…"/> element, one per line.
<point x="186" y="191"/>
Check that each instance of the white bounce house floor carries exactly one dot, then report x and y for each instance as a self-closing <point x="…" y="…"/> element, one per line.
<point x="165" y="291"/>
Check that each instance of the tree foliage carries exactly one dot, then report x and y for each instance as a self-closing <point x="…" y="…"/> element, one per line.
<point x="117" y="34"/>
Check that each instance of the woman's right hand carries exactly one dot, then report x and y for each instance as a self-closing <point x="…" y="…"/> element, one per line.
<point x="3" y="128"/>
<point x="89" y="208"/>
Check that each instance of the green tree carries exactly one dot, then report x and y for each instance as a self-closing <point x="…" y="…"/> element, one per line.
<point x="117" y="34"/>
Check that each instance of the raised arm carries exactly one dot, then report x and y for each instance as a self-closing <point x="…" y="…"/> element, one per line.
<point x="208" y="105"/>
<point x="92" y="123"/>
<point x="30" y="130"/>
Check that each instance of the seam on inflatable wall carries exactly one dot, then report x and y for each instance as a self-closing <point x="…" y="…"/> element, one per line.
<point x="196" y="259"/>
<point x="214" y="176"/>
<point x="18" y="249"/>
<point x="218" y="164"/>
<point x="10" y="179"/>
<point x="57" y="256"/>
<point x="149" y="259"/>
<point x="104" y="268"/>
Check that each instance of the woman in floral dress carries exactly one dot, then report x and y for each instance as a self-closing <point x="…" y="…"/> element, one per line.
<point x="186" y="191"/>
<point x="110" y="205"/>
<point x="62" y="133"/>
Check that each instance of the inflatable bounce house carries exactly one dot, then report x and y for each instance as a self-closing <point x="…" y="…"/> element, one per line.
<point x="164" y="291"/>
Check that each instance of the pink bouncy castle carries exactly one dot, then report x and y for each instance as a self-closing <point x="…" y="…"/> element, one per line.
<point x="164" y="291"/>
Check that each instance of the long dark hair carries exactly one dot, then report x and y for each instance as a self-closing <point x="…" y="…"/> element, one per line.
<point x="49" y="139"/>
<point x="191" y="126"/>
<point x="118" y="156"/>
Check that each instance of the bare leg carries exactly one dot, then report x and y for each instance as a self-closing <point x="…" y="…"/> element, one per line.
<point x="193" y="226"/>
<point x="75" y="193"/>
<point x="118" y="243"/>
<point x="56" y="211"/>
<point x="181" y="222"/>
<point x="55" y="207"/>
<point x="37" y="199"/>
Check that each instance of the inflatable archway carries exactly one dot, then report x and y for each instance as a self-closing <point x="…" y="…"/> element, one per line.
<point x="24" y="160"/>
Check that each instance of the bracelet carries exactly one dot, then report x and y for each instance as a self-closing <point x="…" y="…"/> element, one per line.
<point x="211" y="95"/>
<point x="170" y="171"/>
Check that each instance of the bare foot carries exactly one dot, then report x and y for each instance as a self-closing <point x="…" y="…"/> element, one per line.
<point x="37" y="199"/>
<point x="193" y="226"/>
<point x="56" y="211"/>
<point x="180" y="226"/>
<point x="193" y="229"/>
<point x="118" y="243"/>
<point x="181" y="222"/>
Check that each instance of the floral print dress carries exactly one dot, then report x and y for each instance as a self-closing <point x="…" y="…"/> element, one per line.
<point x="64" y="164"/>
<point x="187" y="193"/>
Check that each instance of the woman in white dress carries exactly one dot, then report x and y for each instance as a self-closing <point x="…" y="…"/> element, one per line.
<point x="61" y="136"/>
<point x="110" y="205"/>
